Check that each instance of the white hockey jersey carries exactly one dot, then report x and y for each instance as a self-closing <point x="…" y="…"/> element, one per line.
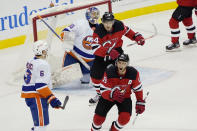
<point x="37" y="79"/>
<point x="83" y="38"/>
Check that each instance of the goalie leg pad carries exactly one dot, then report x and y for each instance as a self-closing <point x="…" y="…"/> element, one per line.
<point x="84" y="69"/>
<point x="69" y="59"/>
<point x="85" y="79"/>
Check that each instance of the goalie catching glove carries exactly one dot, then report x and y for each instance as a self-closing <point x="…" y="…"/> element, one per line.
<point x="54" y="102"/>
<point x="139" y="38"/>
<point x="67" y="36"/>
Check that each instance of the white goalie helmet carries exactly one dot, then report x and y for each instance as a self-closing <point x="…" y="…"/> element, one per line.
<point x="40" y="46"/>
<point x="92" y="15"/>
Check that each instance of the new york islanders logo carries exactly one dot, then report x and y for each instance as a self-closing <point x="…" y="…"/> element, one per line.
<point x="87" y="41"/>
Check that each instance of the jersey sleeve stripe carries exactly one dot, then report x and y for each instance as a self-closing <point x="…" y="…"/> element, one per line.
<point x="128" y="29"/>
<point x="103" y="88"/>
<point x="137" y="88"/>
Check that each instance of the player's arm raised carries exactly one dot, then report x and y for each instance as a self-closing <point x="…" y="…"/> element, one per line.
<point x="136" y="36"/>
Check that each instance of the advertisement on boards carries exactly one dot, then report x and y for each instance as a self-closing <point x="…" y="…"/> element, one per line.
<point x="14" y="15"/>
<point x="14" y="19"/>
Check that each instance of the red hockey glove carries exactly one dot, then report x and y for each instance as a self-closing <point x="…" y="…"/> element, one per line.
<point x="112" y="55"/>
<point x="55" y="103"/>
<point x="117" y="95"/>
<point x="139" y="38"/>
<point x="140" y="107"/>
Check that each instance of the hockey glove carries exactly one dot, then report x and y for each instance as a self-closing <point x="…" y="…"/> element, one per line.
<point x="67" y="36"/>
<point x="140" y="107"/>
<point x="112" y="55"/>
<point x="139" y="38"/>
<point x="117" y="95"/>
<point x="54" y="102"/>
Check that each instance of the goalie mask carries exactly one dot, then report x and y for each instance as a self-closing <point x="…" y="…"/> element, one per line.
<point x="92" y="15"/>
<point x="40" y="46"/>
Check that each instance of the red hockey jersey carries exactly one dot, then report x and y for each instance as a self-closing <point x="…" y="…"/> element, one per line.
<point x="108" y="39"/>
<point x="188" y="3"/>
<point x="128" y="83"/>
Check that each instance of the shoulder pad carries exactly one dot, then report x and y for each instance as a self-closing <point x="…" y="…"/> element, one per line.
<point x="131" y="73"/>
<point x="118" y="26"/>
<point x="100" y="31"/>
<point x="111" y="71"/>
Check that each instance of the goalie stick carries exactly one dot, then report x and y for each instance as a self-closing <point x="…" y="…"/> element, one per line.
<point x="53" y="31"/>
<point x="155" y="33"/>
<point x="138" y="113"/>
<point x="49" y="27"/>
<point x="65" y="102"/>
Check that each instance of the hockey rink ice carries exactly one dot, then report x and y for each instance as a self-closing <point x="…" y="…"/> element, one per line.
<point x="170" y="77"/>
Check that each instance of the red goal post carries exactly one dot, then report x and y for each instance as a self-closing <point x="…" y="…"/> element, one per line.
<point x="34" y="19"/>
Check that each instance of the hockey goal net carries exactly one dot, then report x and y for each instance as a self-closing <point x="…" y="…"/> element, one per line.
<point x="57" y="18"/>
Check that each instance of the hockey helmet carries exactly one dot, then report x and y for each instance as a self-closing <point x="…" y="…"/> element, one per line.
<point x="92" y="15"/>
<point x="108" y="16"/>
<point x="123" y="57"/>
<point x="40" y="46"/>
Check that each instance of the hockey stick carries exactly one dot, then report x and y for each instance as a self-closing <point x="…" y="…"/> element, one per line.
<point x="138" y="113"/>
<point x="65" y="102"/>
<point x="155" y="33"/>
<point x="53" y="31"/>
<point x="80" y="59"/>
<point x="49" y="27"/>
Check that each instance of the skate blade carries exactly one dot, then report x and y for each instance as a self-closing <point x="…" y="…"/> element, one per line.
<point x="92" y="104"/>
<point x="174" y="50"/>
<point x="190" y="46"/>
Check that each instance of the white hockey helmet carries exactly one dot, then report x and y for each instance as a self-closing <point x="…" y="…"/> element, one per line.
<point x="40" y="46"/>
<point x="92" y="15"/>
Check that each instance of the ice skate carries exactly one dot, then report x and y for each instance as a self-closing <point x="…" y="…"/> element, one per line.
<point x="94" y="100"/>
<point x="173" y="47"/>
<point x="190" y="41"/>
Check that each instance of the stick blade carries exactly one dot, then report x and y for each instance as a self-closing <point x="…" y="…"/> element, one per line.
<point x="65" y="102"/>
